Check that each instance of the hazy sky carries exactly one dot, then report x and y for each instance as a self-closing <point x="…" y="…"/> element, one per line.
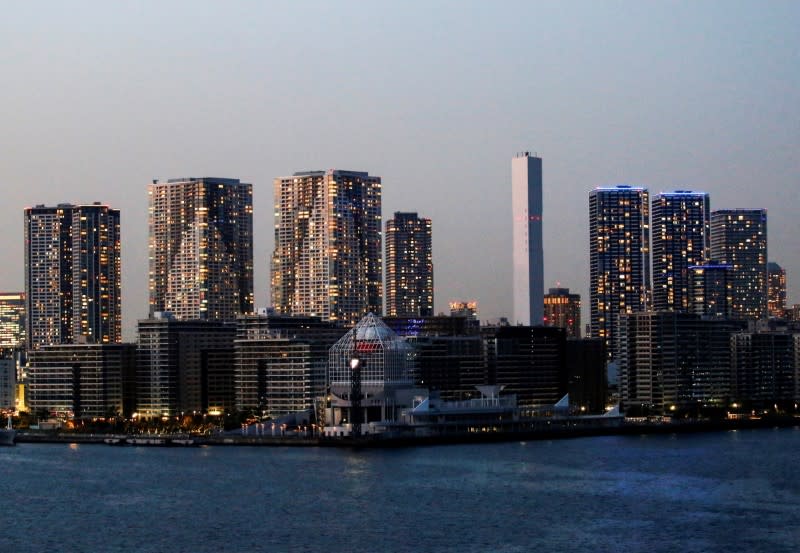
<point x="98" y="98"/>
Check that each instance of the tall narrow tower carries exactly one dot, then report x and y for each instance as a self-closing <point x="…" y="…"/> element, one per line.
<point x="619" y="256"/>
<point x="327" y="261"/>
<point x="96" y="274"/>
<point x="201" y="248"/>
<point x="48" y="274"/>
<point x="528" y="252"/>
<point x="72" y="274"/>
<point x="681" y="239"/>
<point x="409" y="266"/>
<point x="739" y="239"/>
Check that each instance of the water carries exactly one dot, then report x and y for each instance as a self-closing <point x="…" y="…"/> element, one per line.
<point x="734" y="491"/>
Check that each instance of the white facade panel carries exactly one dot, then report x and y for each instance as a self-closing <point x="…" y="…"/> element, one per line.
<point x="528" y="251"/>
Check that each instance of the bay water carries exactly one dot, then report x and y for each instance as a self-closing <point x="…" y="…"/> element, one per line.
<point x="710" y="492"/>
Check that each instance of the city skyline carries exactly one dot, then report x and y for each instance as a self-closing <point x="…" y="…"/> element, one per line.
<point x="652" y="207"/>
<point x="190" y="202"/>
<point x="678" y="97"/>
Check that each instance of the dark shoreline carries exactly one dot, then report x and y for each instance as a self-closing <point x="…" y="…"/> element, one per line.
<point x="629" y="429"/>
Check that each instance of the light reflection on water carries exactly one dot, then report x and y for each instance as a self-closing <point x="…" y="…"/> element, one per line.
<point x="708" y="492"/>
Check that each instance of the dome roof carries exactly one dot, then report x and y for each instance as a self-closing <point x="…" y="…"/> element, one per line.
<point x="372" y="328"/>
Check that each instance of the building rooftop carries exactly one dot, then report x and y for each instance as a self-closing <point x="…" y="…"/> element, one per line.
<point x="198" y="179"/>
<point x="620" y="188"/>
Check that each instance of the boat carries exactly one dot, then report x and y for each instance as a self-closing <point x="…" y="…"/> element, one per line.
<point x="183" y="441"/>
<point x="114" y="440"/>
<point x="146" y="441"/>
<point x="8" y="435"/>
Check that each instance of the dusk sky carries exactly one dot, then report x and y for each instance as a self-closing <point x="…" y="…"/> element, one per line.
<point x="99" y="98"/>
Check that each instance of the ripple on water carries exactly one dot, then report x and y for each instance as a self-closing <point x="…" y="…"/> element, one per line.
<point x="715" y="493"/>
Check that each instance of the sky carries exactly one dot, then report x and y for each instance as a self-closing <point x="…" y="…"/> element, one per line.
<point x="97" y="99"/>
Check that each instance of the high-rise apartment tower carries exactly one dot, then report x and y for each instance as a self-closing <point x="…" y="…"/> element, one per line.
<point x="619" y="256"/>
<point x="201" y="248"/>
<point x="739" y="239"/>
<point x="328" y="243"/>
<point x="711" y="290"/>
<point x="681" y="239"/>
<point x="72" y="274"/>
<point x="528" y="251"/>
<point x="409" y="266"/>
<point x="776" y="290"/>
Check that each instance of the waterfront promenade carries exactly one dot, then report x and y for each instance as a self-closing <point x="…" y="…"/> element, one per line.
<point x="295" y="440"/>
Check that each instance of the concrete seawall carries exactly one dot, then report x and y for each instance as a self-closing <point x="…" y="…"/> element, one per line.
<point x="378" y="441"/>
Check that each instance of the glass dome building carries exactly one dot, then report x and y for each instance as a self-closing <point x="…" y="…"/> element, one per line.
<point x="385" y="361"/>
<point x="385" y="357"/>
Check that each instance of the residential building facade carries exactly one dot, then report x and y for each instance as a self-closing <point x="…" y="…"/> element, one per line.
<point x="409" y="266"/>
<point x="671" y="361"/>
<point x="175" y="360"/>
<point x="739" y="239"/>
<point x="765" y="369"/>
<point x="681" y="234"/>
<point x="81" y="380"/>
<point x="776" y="290"/>
<point x="619" y="257"/>
<point x="711" y="290"/>
<point x="281" y="362"/>
<point x="12" y="319"/>
<point x="73" y="275"/>
<point x="201" y="248"/>
<point x="327" y="260"/>
<point x="563" y="310"/>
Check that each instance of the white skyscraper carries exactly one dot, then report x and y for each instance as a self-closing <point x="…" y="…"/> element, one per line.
<point x="526" y="199"/>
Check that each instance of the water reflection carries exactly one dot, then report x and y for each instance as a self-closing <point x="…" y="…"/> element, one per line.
<point x="660" y="493"/>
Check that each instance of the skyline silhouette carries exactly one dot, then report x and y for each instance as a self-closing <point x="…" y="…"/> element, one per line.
<point x="99" y="100"/>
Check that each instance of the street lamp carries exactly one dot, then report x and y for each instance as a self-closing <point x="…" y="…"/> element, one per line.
<point x="355" y="396"/>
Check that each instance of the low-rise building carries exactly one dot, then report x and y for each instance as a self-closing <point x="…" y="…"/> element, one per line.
<point x="451" y="365"/>
<point x="281" y="362"/>
<point x="670" y="361"/>
<point x="176" y="361"/>
<point x="529" y="361"/>
<point x="586" y="374"/>
<point x="8" y="384"/>
<point x="765" y="369"/>
<point x="80" y="380"/>
<point x="563" y="310"/>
